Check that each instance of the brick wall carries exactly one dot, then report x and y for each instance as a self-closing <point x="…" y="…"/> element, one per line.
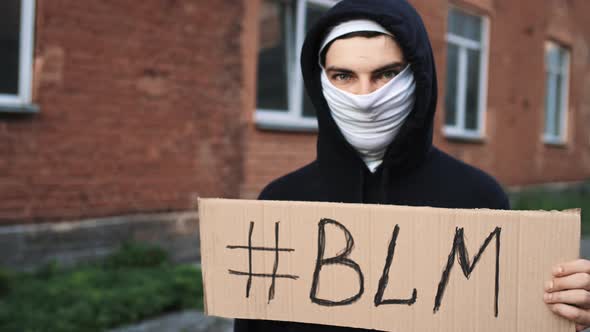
<point x="512" y="150"/>
<point x="146" y="105"/>
<point x="140" y="111"/>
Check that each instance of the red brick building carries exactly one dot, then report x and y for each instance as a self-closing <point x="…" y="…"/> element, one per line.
<point x="507" y="129"/>
<point x="121" y="108"/>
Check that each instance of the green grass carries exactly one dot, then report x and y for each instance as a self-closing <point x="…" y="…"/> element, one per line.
<point x="135" y="283"/>
<point x="555" y="200"/>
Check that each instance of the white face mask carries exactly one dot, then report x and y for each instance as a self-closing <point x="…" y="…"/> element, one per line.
<point x="370" y="122"/>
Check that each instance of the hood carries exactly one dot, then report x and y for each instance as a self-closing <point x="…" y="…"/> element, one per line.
<point x="336" y="157"/>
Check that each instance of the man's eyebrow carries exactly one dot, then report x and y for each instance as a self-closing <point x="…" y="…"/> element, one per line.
<point x="393" y="65"/>
<point x="344" y="70"/>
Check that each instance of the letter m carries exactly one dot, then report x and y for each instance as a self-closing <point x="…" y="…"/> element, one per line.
<point x="460" y="250"/>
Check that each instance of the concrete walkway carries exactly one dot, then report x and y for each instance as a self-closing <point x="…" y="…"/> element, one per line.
<point x="184" y="321"/>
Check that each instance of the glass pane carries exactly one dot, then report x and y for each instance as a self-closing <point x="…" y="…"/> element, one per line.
<point x="451" y="85"/>
<point x="549" y="103"/>
<point x="272" y="91"/>
<point x="558" y="106"/>
<point x="556" y="62"/>
<point x="472" y="93"/>
<point x="465" y="25"/>
<point x="552" y="57"/>
<point x="9" y="46"/>
<point x="313" y="13"/>
<point x="563" y="63"/>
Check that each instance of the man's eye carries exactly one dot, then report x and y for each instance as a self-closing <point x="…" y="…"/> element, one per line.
<point x="387" y="75"/>
<point x="341" y="77"/>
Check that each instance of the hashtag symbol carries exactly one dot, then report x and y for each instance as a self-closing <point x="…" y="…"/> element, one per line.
<point x="273" y="275"/>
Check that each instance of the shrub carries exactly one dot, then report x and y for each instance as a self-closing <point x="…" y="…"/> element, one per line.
<point x="137" y="255"/>
<point x="538" y="199"/>
<point x="135" y="283"/>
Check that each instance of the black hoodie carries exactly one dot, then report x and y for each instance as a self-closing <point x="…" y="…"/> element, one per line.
<point x="413" y="171"/>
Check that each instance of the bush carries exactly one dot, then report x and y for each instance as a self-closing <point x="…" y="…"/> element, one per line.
<point x="137" y="255"/>
<point x="6" y="281"/>
<point x="48" y="270"/>
<point x="555" y="200"/>
<point x="133" y="284"/>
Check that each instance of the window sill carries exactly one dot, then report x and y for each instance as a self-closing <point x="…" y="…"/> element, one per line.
<point x="19" y="109"/>
<point x="279" y="121"/>
<point x="553" y="141"/>
<point x="466" y="136"/>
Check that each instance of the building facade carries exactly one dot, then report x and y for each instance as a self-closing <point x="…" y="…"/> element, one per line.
<point x="513" y="88"/>
<point x="127" y="108"/>
<point x="131" y="109"/>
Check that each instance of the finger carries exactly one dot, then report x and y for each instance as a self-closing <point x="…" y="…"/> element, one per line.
<point x="578" y="297"/>
<point x="577" y="315"/>
<point x="581" y="327"/>
<point x="577" y="266"/>
<point x="574" y="281"/>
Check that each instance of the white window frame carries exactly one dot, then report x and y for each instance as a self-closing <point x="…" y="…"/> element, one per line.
<point x="564" y="72"/>
<point x="458" y="130"/>
<point x="23" y="99"/>
<point x="292" y="119"/>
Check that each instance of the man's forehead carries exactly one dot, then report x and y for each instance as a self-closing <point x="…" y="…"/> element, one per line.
<point x="366" y="54"/>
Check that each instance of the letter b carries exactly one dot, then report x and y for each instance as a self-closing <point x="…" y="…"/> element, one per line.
<point x="340" y="259"/>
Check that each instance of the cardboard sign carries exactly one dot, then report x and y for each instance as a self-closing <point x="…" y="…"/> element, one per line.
<point x="383" y="267"/>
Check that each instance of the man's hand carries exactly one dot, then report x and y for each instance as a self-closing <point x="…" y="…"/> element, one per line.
<point x="568" y="293"/>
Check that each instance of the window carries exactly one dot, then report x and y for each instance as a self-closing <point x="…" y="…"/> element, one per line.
<point x="465" y="98"/>
<point x="281" y="102"/>
<point x="16" y="53"/>
<point x="556" y="92"/>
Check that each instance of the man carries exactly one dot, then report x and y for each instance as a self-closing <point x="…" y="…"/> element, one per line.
<point x="369" y="71"/>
